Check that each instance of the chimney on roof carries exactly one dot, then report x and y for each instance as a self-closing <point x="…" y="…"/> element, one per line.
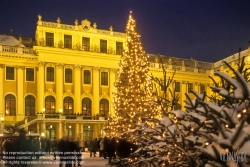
<point x="11" y="32"/>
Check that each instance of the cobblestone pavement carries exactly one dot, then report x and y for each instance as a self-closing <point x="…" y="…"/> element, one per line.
<point x="47" y="161"/>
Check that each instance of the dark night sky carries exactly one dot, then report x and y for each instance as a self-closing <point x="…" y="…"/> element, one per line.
<point x="208" y="30"/>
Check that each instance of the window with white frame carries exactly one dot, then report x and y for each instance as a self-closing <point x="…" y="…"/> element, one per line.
<point x="68" y="75"/>
<point x="10" y="73"/>
<point x="104" y="78"/>
<point x="30" y="74"/>
<point x="190" y="87"/>
<point x="86" y="77"/>
<point x="50" y="74"/>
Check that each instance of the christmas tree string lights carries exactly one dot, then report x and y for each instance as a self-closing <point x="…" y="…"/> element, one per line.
<point x="133" y="97"/>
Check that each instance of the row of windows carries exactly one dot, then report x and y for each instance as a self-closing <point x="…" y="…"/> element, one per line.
<point x="177" y="87"/>
<point x="68" y="105"/>
<point x="85" y="43"/>
<point x="50" y="75"/>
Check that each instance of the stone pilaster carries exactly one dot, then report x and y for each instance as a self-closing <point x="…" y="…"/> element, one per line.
<point x="40" y="87"/>
<point x="38" y="127"/>
<point x="59" y="87"/>
<point x="60" y="133"/>
<point x="77" y="88"/>
<point x="20" y="97"/>
<point x="1" y="89"/>
<point x="96" y="87"/>
<point x="183" y="91"/>
<point x="111" y="88"/>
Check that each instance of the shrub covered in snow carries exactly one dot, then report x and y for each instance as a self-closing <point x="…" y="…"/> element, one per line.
<point x="208" y="133"/>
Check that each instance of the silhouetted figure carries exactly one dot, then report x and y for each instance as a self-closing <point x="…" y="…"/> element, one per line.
<point x="54" y="147"/>
<point x="111" y="149"/>
<point x="93" y="147"/>
<point x="43" y="144"/>
<point x="23" y="145"/>
<point x="62" y="150"/>
<point x="48" y="145"/>
<point x="78" y="153"/>
<point x="98" y="146"/>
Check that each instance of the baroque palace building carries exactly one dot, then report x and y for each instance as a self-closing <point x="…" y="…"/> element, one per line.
<point x="62" y="83"/>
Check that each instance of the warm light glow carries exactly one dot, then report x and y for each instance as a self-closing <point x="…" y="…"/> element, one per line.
<point x="2" y="118"/>
<point x="43" y="109"/>
<point x="226" y="126"/>
<point x="244" y="111"/>
<point x="206" y="143"/>
<point x="69" y="126"/>
<point x="42" y="134"/>
<point x="239" y="115"/>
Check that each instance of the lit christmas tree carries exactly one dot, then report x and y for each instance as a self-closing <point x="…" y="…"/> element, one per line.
<point x="133" y="97"/>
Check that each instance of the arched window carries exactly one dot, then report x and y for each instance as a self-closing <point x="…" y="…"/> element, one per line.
<point x="86" y="106"/>
<point x="10" y="105"/>
<point x="29" y="105"/>
<point x="50" y="104"/>
<point x="68" y="104"/>
<point x="104" y="107"/>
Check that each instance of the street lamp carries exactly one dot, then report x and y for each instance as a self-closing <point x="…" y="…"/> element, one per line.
<point x="2" y="118"/>
<point x="42" y="135"/>
<point x="60" y="110"/>
<point x="43" y="110"/>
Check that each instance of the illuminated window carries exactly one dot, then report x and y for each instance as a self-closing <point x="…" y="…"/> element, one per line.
<point x="202" y="88"/>
<point x="85" y="44"/>
<point x="86" y="106"/>
<point x="68" y="41"/>
<point x="68" y="103"/>
<point x="177" y="86"/>
<point x="190" y="87"/>
<point x="50" y="74"/>
<point x="103" y="46"/>
<point x="29" y="74"/>
<point x="10" y="73"/>
<point x="29" y="105"/>
<point x="49" y="39"/>
<point x="86" y="77"/>
<point x="119" y="47"/>
<point x="104" y="107"/>
<point x="68" y="75"/>
<point x="10" y="105"/>
<point x="50" y="104"/>
<point x="104" y="78"/>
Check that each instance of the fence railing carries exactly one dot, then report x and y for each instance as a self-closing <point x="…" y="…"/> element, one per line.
<point x="15" y="49"/>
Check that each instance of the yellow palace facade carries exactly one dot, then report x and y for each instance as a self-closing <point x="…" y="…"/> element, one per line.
<point x="63" y="84"/>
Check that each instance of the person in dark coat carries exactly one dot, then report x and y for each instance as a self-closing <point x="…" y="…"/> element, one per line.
<point x="48" y="145"/>
<point x="78" y="153"/>
<point x="43" y="144"/>
<point x="93" y="147"/>
<point x="98" y="146"/>
<point x="23" y="145"/>
<point x="111" y="149"/>
<point x="62" y="149"/>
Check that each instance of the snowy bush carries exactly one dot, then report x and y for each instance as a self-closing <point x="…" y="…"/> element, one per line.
<point x="209" y="133"/>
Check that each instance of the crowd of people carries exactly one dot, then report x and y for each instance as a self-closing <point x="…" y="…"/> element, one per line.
<point x="68" y="150"/>
<point x="109" y="148"/>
